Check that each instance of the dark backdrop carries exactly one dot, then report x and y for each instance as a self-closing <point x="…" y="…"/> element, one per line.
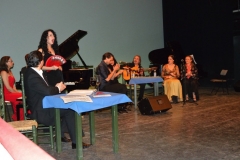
<point x="203" y="28"/>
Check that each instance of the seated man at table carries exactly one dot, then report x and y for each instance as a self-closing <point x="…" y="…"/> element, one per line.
<point x="36" y="88"/>
<point x="106" y="77"/>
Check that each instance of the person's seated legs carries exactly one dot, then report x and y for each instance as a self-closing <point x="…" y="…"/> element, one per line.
<point x="191" y="88"/>
<point x="141" y="91"/>
<point x="194" y="89"/>
<point x="68" y="116"/>
<point x="185" y="85"/>
<point x="173" y="90"/>
<point x="64" y="130"/>
<point x="47" y="117"/>
<point x="118" y="88"/>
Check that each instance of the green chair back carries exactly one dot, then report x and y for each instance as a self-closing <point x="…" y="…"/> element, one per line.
<point x="40" y="126"/>
<point x="24" y="98"/>
<point x="2" y="101"/>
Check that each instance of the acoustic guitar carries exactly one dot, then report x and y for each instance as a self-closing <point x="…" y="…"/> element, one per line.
<point x="127" y="72"/>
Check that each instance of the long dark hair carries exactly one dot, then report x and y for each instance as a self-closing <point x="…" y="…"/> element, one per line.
<point x="3" y="65"/>
<point x="107" y="55"/>
<point x="43" y="42"/>
<point x="139" y="60"/>
<point x="111" y="66"/>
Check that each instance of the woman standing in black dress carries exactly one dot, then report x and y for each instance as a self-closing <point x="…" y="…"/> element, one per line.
<point x="48" y="45"/>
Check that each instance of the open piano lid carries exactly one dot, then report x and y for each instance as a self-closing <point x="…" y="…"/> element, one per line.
<point x="69" y="48"/>
<point x="160" y="56"/>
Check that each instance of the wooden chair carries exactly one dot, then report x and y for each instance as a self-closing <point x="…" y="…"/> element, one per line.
<point x="41" y="127"/>
<point x="8" y="111"/>
<point x="220" y="82"/>
<point x="24" y="126"/>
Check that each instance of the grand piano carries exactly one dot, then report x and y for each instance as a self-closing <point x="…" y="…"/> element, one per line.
<point x="68" y="49"/>
<point x="159" y="57"/>
<point x="81" y="76"/>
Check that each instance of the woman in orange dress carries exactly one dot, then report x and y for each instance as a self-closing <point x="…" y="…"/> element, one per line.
<point x="172" y="85"/>
<point x="10" y="92"/>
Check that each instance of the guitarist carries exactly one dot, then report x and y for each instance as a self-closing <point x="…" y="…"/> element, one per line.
<point x="137" y="68"/>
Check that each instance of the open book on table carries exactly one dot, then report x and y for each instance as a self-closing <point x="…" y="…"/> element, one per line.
<point x="74" y="98"/>
<point x="101" y="94"/>
<point x="82" y="92"/>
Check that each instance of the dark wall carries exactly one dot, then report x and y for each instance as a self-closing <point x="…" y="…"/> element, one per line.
<point x="204" y="29"/>
<point x="236" y="44"/>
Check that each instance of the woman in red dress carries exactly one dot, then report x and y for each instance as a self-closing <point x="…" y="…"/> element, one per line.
<point x="10" y="92"/>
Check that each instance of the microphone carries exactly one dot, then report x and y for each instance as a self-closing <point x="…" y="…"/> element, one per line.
<point x="182" y="60"/>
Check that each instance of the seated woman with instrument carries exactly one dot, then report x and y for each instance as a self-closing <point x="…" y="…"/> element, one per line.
<point x="189" y="77"/>
<point x="137" y="69"/>
<point x="170" y="74"/>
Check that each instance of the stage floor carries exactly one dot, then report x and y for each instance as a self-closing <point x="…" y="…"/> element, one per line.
<point x="209" y="130"/>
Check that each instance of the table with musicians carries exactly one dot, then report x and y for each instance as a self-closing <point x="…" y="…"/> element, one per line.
<point x="79" y="107"/>
<point x="140" y="80"/>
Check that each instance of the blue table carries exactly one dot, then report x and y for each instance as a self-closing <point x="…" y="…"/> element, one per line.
<point x="141" y="80"/>
<point x="79" y="107"/>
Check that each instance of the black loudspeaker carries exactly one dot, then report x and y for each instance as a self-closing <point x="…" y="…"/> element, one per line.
<point x="236" y="86"/>
<point x="153" y="105"/>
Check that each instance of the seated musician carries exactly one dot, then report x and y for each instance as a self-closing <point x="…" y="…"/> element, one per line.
<point x="106" y="77"/>
<point x="138" y="70"/>
<point x="189" y="77"/>
<point x="117" y="74"/>
<point x="170" y="74"/>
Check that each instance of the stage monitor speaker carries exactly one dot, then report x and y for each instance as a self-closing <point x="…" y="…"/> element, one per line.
<point x="153" y="105"/>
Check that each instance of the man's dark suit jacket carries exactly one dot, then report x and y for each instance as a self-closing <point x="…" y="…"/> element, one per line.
<point x="36" y="89"/>
<point x="103" y="71"/>
<point x="109" y="86"/>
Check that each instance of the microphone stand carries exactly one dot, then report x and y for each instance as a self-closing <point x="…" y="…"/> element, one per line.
<point x="183" y="73"/>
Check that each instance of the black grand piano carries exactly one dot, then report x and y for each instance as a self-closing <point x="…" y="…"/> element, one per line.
<point x="159" y="57"/>
<point x="68" y="49"/>
<point x="81" y="76"/>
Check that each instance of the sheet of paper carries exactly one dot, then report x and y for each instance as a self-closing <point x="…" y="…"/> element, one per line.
<point x="82" y="92"/>
<point x="69" y="83"/>
<point x="74" y="98"/>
